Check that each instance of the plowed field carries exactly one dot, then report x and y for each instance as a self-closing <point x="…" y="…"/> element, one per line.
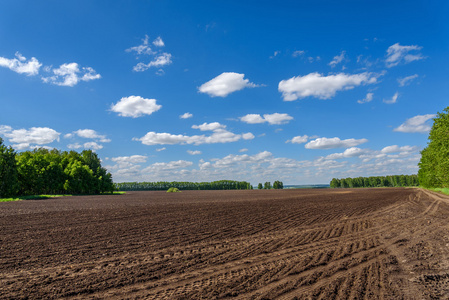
<point x="273" y="244"/>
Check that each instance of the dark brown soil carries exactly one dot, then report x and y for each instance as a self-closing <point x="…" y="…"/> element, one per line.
<point x="272" y="244"/>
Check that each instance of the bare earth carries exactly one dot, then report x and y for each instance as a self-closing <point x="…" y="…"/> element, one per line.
<point x="285" y="244"/>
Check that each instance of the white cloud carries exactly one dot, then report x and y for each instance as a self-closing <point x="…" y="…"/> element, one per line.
<point x="330" y="143"/>
<point x="70" y="75"/>
<point x="298" y="53"/>
<point x="276" y="53"/>
<point x="299" y="139"/>
<point x="196" y="152"/>
<point x="397" y="54"/>
<point x="406" y="80"/>
<point x="219" y="135"/>
<point x="396" y="148"/>
<point x="243" y="150"/>
<point x="417" y="123"/>
<point x="133" y="159"/>
<point x="322" y="87"/>
<point x="225" y="83"/>
<point x="253" y="119"/>
<point x="74" y="146"/>
<point x="159" y="58"/>
<point x="143" y="48"/>
<point x="337" y="59"/>
<point x="272" y="119"/>
<point x="158" y="167"/>
<point x="209" y="126"/>
<point x="23" y="138"/>
<point x="393" y="99"/>
<point x="89" y="134"/>
<point x="21" y="65"/>
<point x="350" y="152"/>
<point x="161" y="149"/>
<point x="368" y="98"/>
<point x="92" y="145"/>
<point x="158" y="42"/>
<point x="186" y="116"/>
<point x="135" y="106"/>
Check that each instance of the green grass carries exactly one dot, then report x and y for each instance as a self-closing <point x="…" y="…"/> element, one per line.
<point x="43" y="197"/>
<point x="440" y="190"/>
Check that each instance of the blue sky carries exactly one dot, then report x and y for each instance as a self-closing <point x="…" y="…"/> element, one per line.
<point x="297" y="91"/>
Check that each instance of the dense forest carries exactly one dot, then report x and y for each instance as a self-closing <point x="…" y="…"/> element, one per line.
<point x="165" y="185"/>
<point x="43" y="171"/>
<point x="375" y="181"/>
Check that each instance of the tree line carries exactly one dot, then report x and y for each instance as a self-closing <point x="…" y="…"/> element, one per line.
<point x="165" y="185"/>
<point x="376" y="181"/>
<point x="277" y="185"/>
<point x="43" y="171"/>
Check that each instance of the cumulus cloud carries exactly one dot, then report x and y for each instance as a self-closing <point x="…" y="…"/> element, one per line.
<point x="417" y="124"/>
<point x="407" y="80"/>
<point x="20" y="65"/>
<point x="209" y="126"/>
<point x="393" y="99"/>
<point x="299" y="139"/>
<point x="368" y="98"/>
<point x="186" y="116"/>
<point x="158" y="167"/>
<point x="322" y="87"/>
<point x="158" y="42"/>
<point x="219" y="135"/>
<point x="330" y="143"/>
<point x="133" y="159"/>
<point x="397" y="54"/>
<point x="243" y="150"/>
<point x="70" y="75"/>
<point x="159" y="59"/>
<point x="92" y="146"/>
<point x="89" y="134"/>
<point x="135" y="106"/>
<point x="337" y="59"/>
<point x="23" y="138"/>
<point x="225" y="83"/>
<point x="195" y="152"/>
<point x="350" y="152"/>
<point x="396" y="148"/>
<point x="272" y="119"/>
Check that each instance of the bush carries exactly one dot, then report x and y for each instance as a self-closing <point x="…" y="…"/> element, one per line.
<point x="173" y="190"/>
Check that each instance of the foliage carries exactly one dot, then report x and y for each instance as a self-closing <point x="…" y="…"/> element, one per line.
<point x="173" y="190"/>
<point x="43" y="171"/>
<point x="375" y="181"/>
<point x="164" y="185"/>
<point x="260" y="186"/>
<point x="8" y="171"/>
<point x="267" y="185"/>
<point x="278" y="185"/>
<point x="434" y="163"/>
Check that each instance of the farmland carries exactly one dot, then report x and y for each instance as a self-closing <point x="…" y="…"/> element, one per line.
<point x="249" y="244"/>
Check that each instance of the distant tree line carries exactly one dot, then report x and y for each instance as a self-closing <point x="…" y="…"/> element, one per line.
<point x="277" y="185"/>
<point x="43" y="171"/>
<point x="165" y="185"/>
<point x="434" y="164"/>
<point x="375" y="181"/>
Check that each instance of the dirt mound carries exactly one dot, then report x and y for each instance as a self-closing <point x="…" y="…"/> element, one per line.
<point x="276" y="244"/>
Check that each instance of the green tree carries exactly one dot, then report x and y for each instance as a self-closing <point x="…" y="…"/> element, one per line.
<point x="8" y="171"/>
<point x="267" y="185"/>
<point x="260" y="186"/>
<point x="434" y="163"/>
